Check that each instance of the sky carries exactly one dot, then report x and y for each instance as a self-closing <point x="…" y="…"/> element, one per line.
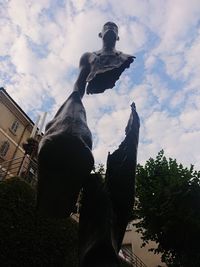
<point x="42" y="42"/>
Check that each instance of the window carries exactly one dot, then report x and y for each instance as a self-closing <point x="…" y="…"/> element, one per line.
<point x="4" y="148"/>
<point x="15" y="126"/>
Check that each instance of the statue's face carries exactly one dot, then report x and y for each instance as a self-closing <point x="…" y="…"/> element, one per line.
<point x="109" y="32"/>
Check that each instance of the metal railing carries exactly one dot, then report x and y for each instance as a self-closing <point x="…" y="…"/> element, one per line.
<point x="24" y="167"/>
<point x="10" y="168"/>
<point x="133" y="259"/>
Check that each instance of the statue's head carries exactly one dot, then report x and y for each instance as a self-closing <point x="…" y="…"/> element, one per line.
<point x="109" y="31"/>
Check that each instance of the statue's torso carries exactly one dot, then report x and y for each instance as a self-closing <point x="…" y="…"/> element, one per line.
<point x="105" y="69"/>
<point x="99" y="61"/>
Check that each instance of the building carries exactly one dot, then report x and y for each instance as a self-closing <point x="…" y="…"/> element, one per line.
<point x="132" y="242"/>
<point x="15" y="129"/>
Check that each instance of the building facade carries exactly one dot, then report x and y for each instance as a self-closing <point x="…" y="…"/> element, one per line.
<point x="15" y="129"/>
<point x="133" y="242"/>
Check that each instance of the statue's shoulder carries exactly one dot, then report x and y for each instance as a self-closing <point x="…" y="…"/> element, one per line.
<point x="124" y="56"/>
<point x="85" y="58"/>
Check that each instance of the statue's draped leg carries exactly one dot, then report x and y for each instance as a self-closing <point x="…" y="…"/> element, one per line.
<point x="95" y="244"/>
<point x="64" y="159"/>
<point x="106" y="206"/>
<point x="120" y="178"/>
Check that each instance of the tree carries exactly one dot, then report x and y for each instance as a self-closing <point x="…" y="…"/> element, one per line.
<point x="167" y="210"/>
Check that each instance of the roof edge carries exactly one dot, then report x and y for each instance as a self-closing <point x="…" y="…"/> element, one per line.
<point x="2" y="89"/>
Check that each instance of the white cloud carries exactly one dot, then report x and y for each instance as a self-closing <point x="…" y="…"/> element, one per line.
<point x="28" y="97"/>
<point x="191" y="68"/>
<point x="175" y="135"/>
<point x="178" y="98"/>
<point x="132" y="37"/>
<point x="159" y="88"/>
<point x="25" y="15"/>
<point x="9" y="34"/>
<point x="190" y="120"/>
<point x="111" y="131"/>
<point x="22" y="57"/>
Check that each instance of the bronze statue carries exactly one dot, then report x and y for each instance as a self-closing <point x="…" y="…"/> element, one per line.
<point x="65" y="161"/>
<point x="101" y="69"/>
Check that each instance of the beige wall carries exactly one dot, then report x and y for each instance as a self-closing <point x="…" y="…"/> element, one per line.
<point x="9" y="154"/>
<point x="14" y="162"/>
<point x="6" y="121"/>
<point x="9" y="114"/>
<point x="149" y="258"/>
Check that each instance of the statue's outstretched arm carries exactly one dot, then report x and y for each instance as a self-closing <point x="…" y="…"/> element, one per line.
<point x="84" y="69"/>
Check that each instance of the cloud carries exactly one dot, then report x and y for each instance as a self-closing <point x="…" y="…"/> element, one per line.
<point x="110" y="130"/>
<point x="176" y="135"/>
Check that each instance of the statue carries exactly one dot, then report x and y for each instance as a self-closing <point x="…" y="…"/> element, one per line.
<point x="65" y="161"/>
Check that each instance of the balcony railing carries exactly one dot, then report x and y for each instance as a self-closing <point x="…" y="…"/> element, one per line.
<point x="21" y="166"/>
<point x="131" y="258"/>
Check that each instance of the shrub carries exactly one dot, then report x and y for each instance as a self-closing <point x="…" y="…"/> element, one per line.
<point x="27" y="241"/>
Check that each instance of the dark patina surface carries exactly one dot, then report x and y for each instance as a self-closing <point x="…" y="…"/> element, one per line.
<point x="65" y="161"/>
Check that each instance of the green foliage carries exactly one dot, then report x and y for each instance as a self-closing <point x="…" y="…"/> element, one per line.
<point x="167" y="210"/>
<point x="29" y="242"/>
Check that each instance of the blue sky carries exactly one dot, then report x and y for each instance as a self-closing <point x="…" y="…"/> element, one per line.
<point x="42" y="41"/>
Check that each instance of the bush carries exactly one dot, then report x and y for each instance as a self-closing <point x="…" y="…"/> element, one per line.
<point x="27" y="241"/>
